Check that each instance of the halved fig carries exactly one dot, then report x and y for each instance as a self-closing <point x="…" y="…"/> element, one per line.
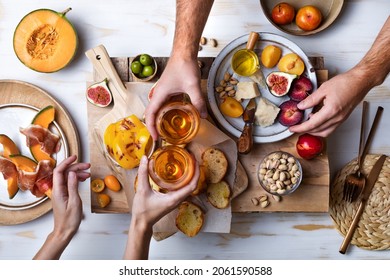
<point x="279" y="83"/>
<point x="99" y="94"/>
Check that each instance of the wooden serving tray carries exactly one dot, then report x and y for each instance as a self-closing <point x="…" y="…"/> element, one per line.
<point x="19" y="92"/>
<point x="312" y="195"/>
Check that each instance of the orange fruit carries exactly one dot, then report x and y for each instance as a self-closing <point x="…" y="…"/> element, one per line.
<point x="112" y="183"/>
<point x="97" y="185"/>
<point x="103" y="200"/>
<point x="231" y="107"/>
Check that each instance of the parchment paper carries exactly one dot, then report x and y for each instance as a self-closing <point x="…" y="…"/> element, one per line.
<point x="216" y="220"/>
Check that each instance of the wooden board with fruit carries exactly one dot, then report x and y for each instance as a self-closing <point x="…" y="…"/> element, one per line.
<point x="312" y="196"/>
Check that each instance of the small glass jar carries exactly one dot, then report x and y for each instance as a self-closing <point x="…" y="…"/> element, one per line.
<point x="280" y="173"/>
<point x="178" y="121"/>
<point x="171" y="167"/>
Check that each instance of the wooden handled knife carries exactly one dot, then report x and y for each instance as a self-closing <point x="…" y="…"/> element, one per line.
<point x="371" y="179"/>
<point x="245" y="141"/>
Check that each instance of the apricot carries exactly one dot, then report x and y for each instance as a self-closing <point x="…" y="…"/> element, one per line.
<point x="231" y="107"/>
<point x="291" y="63"/>
<point x="270" y="56"/>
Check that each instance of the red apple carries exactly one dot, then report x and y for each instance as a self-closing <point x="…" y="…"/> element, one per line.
<point x="308" y="18"/>
<point x="283" y="13"/>
<point x="309" y="146"/>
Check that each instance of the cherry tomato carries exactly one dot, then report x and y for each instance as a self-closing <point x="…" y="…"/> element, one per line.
<point x="309" y="146"/>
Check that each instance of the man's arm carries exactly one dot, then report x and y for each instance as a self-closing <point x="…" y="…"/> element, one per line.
<point x="191" y="17"/>
<point x="182" y="71"/>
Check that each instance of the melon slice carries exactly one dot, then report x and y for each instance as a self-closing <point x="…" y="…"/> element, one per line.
<point x="43" y="118"/>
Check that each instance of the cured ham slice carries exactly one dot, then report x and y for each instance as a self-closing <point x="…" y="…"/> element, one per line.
<point x="7" y="167"/>
<point x="36" y="134"/>
<point x="38" y="181"/>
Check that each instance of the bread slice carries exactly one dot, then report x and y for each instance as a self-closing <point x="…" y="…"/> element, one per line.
<point x="218" y="194"/>
<point x="215" y="163"/>
<point x="190" y="218"/>
<point x="202" y="184"/>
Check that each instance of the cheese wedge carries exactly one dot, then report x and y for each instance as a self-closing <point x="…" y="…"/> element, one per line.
<point x="246" y="90"/>
<point x="266" y="112"/>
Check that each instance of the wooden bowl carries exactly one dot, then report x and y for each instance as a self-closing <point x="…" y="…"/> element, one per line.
<point x="329" y="9"/>
<point x="137" y="78"/>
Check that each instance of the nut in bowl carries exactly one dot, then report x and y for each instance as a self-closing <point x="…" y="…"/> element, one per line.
<point x="143" y="67"/>
<point x="280" y="173"/>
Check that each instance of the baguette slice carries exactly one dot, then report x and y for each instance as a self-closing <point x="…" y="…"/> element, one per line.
<point x="190" y="218"/>
<point x="215" y="163"/>
<point x="218" y="194"/>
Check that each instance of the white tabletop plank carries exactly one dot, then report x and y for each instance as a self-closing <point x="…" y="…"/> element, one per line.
<point x="130" y="27"/>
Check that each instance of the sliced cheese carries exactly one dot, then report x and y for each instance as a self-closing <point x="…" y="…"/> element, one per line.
<point x="246" y="90"/>
<point x="266" y="112"/>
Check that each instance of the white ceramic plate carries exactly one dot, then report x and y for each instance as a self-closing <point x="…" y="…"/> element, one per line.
<point x="222" y="63"/>
<point x="13" y="117"/>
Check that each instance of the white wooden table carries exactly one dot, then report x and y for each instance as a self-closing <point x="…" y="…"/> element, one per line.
<point x="130" y="27"/>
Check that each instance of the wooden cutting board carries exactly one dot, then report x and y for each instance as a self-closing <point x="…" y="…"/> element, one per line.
<point x="312" y="196"/>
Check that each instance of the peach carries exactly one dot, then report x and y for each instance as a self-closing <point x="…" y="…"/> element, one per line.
<point x="291" y="63"/>
<point x="270" y="56"/>
<point x="231" y="107"/>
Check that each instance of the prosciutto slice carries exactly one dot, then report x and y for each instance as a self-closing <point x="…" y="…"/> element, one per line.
<point x="36" y="134"/>
<point x="33" y="181"/>
<point x="7" y="167"/>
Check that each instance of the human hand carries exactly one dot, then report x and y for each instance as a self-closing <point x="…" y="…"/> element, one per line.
<point x="150" y="206"/>
<point x="67" y="205"/>
<point x="339" y="95"/>
<point x="180" y="76"/>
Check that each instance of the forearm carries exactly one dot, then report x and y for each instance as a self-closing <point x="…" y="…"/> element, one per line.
<point x="191" y="17"/>
<point x="53" y="247"/>
<point x="138" y="242"/>
<point x="375" y="65"/>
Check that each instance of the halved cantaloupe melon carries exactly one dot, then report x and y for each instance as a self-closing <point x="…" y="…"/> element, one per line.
<point x="45" y="40"/>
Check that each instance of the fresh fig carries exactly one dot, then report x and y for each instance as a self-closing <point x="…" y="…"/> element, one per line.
<point x="279" y="83"/>
<point x="301" y="88"/>
<point x="99" y="94"/>
<point x="289" y="113"/>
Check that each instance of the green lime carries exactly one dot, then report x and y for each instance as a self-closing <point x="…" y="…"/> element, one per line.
<point x="146" y="59"/>
<point x="140" y="75"/>
<point x="136" y="67"/>
<point x="147" y="71"/>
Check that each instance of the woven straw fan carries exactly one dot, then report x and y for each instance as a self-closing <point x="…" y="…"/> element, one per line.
<point x="125" y="103"/>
